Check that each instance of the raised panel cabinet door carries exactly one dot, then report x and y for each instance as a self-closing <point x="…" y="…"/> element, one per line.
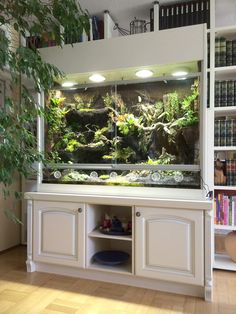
<point x="169" y="244"/>
<point x="59" y="235"/>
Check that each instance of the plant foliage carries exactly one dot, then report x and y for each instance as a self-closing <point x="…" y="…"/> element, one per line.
<point x="18" y="145"/>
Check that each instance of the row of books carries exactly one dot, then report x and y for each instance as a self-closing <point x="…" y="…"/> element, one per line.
<point x="225" y="93"/>
<point x="46" y="40"/>
<point x="184" y="14"/>
<point x="225" y="52"/>
<point x="225" y="132"/>
<point x="49" y="39"/>
<point x="225" y="210"/>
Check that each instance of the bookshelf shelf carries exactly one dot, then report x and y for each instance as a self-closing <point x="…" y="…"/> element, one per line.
<point x="97" y="234"/>
<point x="224" y="148"/>
<point x="225" y="111"/>
<point x="224" y="262"/>
<point x="226" y="72"/>
<point x="225" y="30"/>
<point x="225" y="187"/>
<point x="224" y="227"/>
<point x="226" y="69"/>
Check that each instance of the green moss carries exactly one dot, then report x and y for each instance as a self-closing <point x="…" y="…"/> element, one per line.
<point x="104" y="177"/>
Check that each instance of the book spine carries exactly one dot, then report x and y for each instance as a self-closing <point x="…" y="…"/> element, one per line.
<point x="229" y="52"/>
<point x="218" y="209"/>
<point x="172" y="16"/>
<point x="234" y="93"/>
<point x="222" y="52"/>
<point x="223" y="93"/>
<point x="230" y="93"/>
<point x="228" y="132"/>
<point x="228" y="172"/>
<point x="234" y="52"/>
<point x="167" y="18"/>
<point x="182" y="10"/>
<point x="234" y="172"/>
<point x="234" y="209"/>
<point x="191" y="13"/>
<point x="217" y="93"/>
<point x="230" y="211"/>
<point x="217" y="52"/>
<point x="222" y="133"/>
<point x="225" y="210"/>
<point x="217" y="133"/>
<point x="201" y="12"/>
<point x="234" y="132"/>
<point x="196" y="13"/>
<point x="161" y="18"/>
<point x="177" y="15"/>
<point x="221" y="209"/>
<point x="187" y="14"/>
<point x="215" y="216"/>
<point x="151" y="19"/>
<point x="207" y="6"/>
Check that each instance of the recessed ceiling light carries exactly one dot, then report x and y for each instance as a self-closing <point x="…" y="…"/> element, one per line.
<point x="97" y="78"/>
<point x="68" y="84"/>
<point x="144" y="73"/>
<point x="179" y="73"/>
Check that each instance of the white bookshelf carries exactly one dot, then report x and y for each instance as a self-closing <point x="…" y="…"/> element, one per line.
<point x="225" y="187"/>
<point x="223" y="24"/>
<point x="225" y="148"/>
<point x="224" y="227"/>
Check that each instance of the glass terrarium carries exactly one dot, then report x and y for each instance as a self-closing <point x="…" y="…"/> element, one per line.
<point x="129" y="134"/>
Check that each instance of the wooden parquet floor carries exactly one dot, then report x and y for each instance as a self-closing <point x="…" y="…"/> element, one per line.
<point x="22" y="292"/>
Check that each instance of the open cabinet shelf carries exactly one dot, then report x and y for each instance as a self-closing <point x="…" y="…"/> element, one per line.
<point x="224" y="262"/>
<point x="99" y="242"/>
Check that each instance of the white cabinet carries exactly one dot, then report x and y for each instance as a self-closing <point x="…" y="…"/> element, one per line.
<point x="169" y="244"/>
<point x="168" y="247"/>
<point x="58" y="233"/>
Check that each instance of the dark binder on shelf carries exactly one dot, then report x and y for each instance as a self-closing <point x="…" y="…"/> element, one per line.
<point x="186" y="14"/>
<point x="196" y="16"/>
<point x="177" y="15"/>
<point x="172" y="16"/>
<point x="182" y="10"/>
<point x="161" y="17"/>
<point x="152" y="19"/>
<point x="191" y="13"/>
<point x="167" y="17"/>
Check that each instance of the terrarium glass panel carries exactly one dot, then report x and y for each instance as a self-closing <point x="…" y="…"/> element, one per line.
<point x="134" y="134"/>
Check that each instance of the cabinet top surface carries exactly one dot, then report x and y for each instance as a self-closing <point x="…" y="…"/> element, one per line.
<point x="182" y="200"/>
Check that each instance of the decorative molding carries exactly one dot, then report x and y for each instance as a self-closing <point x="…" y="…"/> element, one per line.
<point x="29" y="263"/>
